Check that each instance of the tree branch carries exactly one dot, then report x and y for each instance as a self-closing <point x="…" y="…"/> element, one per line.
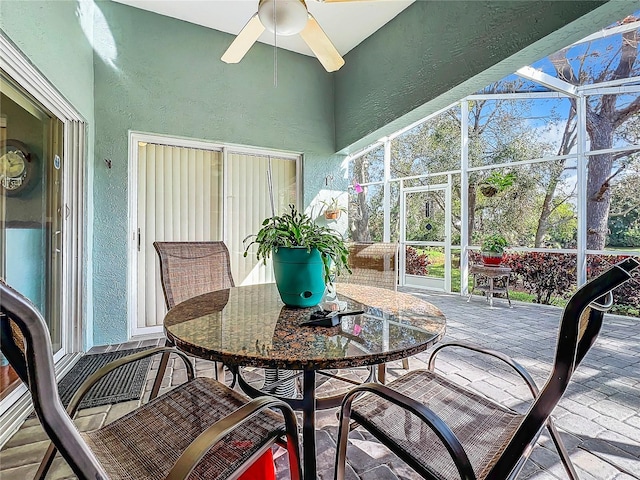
<point x="624" y="212"/>
<point x="620" y="116"/>
<point x="605" y="185"/>
<point x="563" y="67"/>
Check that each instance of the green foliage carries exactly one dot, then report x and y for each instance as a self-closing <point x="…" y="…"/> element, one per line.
<point x="496" y="183"/>
<point x="296" y="229"/>
<point x="563" y="226"/>
<point x="494" y="243"/>
<point x="624" y="216"/>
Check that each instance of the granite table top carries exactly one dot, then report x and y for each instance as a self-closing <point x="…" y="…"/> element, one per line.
<point x="250" y="326"/>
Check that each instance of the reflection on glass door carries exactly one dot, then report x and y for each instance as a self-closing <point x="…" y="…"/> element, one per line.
<point x="426" y="218"/>
<point x="31" y="146"/>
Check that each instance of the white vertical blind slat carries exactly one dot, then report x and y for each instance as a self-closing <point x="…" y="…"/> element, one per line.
<point x="141" y="319"/>
<point x="215" y="161"/>
<point x="149" y="231"/>
<point x="161" y="220"/>
<point x="206" y="193"/>
<point x="200" y="200"/>
<point x="191" y="160"/>
<point x="180" y="184"/>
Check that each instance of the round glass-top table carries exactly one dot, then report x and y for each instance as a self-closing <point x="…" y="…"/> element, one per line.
<point x="250" y="326"/>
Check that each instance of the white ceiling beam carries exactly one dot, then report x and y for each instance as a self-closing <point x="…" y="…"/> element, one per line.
<point x="611" y="83"/>
<point x="607" y="32"/>
<point x="547" y="80"/>
<point x="515" y="96"/>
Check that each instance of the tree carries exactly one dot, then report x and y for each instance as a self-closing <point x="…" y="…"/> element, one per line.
<point x="604" y="116"/>
<point x="358" y="209"/>
<point x="498" y="132"/>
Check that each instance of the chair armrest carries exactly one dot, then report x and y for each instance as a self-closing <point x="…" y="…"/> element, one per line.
<point x="519" y="369"/>
<point x="84" y="388"/>
<point x="109" y="367"/>
<point x="424" y="413"/>
<point x="216" y="432"/>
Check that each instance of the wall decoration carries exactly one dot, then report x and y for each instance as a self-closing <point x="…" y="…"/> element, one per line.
<point x="16" y="167"/>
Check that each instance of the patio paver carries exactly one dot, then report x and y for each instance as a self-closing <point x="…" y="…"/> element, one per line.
<point x="599" y="416"/>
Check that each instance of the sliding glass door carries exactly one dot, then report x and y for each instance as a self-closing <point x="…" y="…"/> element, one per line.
<point x="31" y="209"/>
<point x="189" y="191"/>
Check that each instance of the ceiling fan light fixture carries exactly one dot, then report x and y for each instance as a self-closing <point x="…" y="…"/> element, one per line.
<point x="291" y="16"/>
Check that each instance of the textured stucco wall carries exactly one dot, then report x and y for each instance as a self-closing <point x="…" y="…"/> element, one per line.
<point x="437" y="52"/>
<point x="56" y="36"/>
<point x="176" y="84"/>
<point x="50" y="34"/>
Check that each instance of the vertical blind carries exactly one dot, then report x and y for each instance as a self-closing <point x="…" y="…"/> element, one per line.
<point x="248" y="204"/>
<point x="179" y="199"/>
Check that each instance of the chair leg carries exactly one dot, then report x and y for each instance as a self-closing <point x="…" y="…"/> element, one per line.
<point x="343" y="438"/>
<point x="162" y="368"/>
<point x="219" y="371"/>
<point x="382" y="373"/>
<point x="47" y="460"/>
<point x="405" y="363"/>
<point x="562" y="451"/>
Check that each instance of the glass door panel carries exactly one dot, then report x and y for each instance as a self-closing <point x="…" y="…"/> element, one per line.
<point x="179" y="200"/>
<point x="425" y="216"/>
<point x="31" y="209"/>
<point x="425" y="233"/>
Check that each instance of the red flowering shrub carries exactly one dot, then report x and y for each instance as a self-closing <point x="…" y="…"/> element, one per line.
<point x="544" y="274"/>
<point x="417" y="263"/>
<point x="550" y="274"/>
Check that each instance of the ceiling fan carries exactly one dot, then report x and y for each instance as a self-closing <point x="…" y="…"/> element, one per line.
<point x="286" y="17"/>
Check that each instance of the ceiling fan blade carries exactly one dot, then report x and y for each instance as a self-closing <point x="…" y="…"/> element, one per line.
<point x="243" y="42"/>
<point x="321" y="46"/>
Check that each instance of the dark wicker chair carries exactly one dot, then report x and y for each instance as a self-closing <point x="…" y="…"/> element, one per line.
<point x="201" y="429"/>
<point x="374" y="265"/>
<point x="444" y="431"/>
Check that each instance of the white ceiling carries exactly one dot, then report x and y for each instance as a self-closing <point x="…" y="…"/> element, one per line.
<point x="347" y="24"/>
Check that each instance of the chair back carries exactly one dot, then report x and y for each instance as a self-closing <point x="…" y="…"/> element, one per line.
<point x="189" y="269"/>
<point x="579" y="327"/>
<point x="373" y="264"/>
<point x="26" y="344"/>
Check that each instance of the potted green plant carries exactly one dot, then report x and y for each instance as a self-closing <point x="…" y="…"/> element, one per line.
<point x="493" y="247"/>
<point x="332" y="208"/>
<point x="305" y="254"/>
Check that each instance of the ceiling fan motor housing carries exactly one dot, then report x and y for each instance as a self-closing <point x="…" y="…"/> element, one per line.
<point x="283" y="17"/>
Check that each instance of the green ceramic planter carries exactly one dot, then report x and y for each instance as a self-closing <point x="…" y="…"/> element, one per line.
<point x="299" y="276"/>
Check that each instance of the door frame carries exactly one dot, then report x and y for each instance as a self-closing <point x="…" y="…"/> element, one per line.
<point x="427" y="282"/>
<point x="132" y="290"/>
<point x="17" y="405"/>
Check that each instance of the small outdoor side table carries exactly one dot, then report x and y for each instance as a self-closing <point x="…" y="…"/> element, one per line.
<point x="491" y="280"/>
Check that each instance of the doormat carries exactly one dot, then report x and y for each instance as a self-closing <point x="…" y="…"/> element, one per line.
<point x="122" y="384"/>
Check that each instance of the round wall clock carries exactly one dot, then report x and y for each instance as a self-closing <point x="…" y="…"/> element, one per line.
<point x="16" y="167"/>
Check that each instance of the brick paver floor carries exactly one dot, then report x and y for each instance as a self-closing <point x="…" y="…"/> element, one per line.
<point x="599" y="416"/>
